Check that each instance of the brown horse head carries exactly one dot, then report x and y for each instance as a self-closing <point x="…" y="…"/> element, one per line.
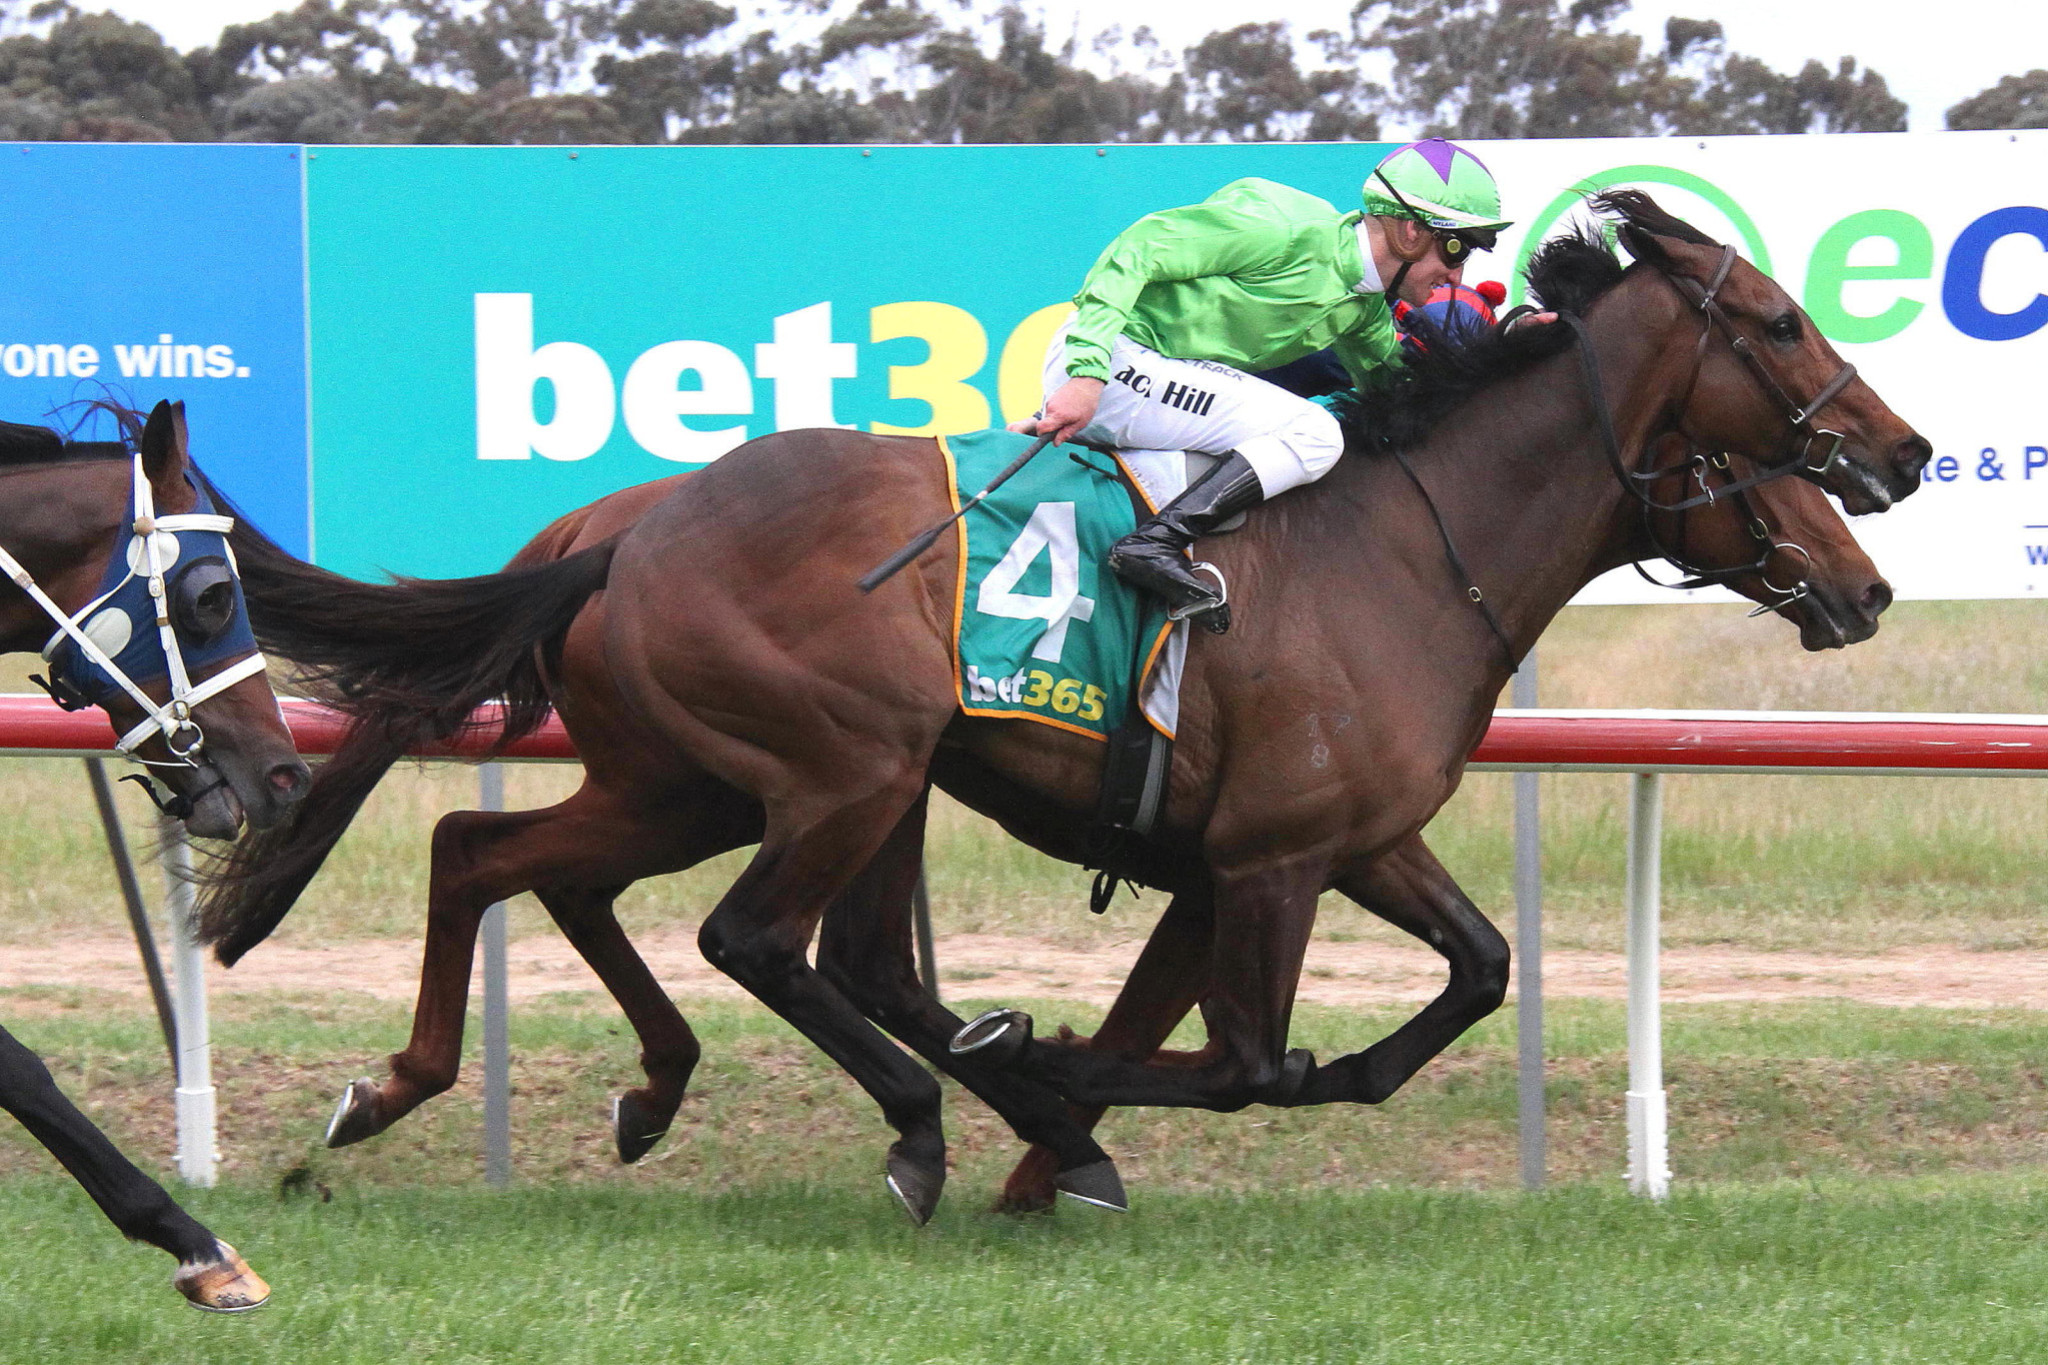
<point x="1781" y="544"/>
<point x="1756" y="342"/>
<point x="69" y="518"/>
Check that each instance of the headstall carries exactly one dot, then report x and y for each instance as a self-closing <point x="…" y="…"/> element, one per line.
<point x="87" y="648"/>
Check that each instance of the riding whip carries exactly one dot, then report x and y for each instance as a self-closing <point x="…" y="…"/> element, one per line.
<point x="888" y="568"/>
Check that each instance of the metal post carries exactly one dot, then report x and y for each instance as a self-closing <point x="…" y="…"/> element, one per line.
<point x="497" y="1044"/>
<point x="197" y="1154"/>
<point x="1649" y="1168"/>
<point x="131" y="896"/>
<point x="1529" y="955"/>
<point x="927" y="957"/>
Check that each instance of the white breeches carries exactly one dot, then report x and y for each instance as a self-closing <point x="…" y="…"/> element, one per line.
<point x="1154" y="402"/>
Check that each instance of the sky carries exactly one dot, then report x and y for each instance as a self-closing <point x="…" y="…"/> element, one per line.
<point x="1928" y="63"/>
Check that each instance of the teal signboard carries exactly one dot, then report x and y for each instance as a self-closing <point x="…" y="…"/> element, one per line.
<point x="502" y="334"/>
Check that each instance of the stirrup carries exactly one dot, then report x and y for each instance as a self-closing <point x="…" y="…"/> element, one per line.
<point x="1193" y="609"/>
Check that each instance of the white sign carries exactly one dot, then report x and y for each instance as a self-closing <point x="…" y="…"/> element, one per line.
<point x="1923" y="257"/>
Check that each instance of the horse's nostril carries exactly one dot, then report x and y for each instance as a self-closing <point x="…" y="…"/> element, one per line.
<point x="288" y="781"/>
<point x="1876" y="598"/>
<point x="1914" y="452"/>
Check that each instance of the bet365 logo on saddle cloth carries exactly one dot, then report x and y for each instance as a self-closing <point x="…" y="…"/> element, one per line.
<point x="1043" y="629"/>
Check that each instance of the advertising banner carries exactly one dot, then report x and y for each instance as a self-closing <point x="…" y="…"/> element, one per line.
<point x="501" y="334"/>
<point x="1923" y="258"/>
<point x="145" y="272"/>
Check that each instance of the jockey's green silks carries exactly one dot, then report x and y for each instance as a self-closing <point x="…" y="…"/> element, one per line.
<point x="1252" y="277"/>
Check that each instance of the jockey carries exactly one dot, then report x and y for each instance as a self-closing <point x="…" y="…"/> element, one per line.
<point x="1184" y="303"/>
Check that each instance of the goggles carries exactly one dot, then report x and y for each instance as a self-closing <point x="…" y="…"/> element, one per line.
<point x="1455" y="244"/>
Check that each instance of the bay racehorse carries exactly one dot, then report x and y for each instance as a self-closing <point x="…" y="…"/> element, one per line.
<point x="728" y="687"/>
<point x="93" y="537"/>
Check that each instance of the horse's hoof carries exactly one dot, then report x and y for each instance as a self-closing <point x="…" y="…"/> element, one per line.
<point x="355" y="1115"/>
<point x="633" y="1129"/>
<point x="1026" y="1199"/>
<point x="1029" y="1188"/>
<point x="998" y="1035"/>
<point x="916" y="1187"/>
<point x="226" y="1285"/>
<point x="1096" y="1183"/>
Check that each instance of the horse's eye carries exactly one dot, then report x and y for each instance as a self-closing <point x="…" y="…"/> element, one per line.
<point x="203" y="600"/>
<point x="1784" y="327"/>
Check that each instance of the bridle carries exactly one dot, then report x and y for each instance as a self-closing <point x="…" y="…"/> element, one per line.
<point x="1715" y="320"/>
<point x="1701" y="468"/>
<point x="151" y="539"/>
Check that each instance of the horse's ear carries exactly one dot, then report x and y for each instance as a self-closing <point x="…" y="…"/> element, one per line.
<point x="1645" y="245"/>
<point x="165" y="452"/>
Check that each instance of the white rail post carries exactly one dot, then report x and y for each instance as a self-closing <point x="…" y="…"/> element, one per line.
<point x="1649" y="1167"/>
<point x="497" y="1042"/>
<point x="197" y="1136"/>
<point x="1529" y="955"/>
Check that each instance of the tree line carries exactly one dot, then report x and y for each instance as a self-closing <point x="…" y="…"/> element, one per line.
<point x="921" y="71"/>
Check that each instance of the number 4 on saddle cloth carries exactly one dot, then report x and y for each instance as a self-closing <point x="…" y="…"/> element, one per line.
<point x="1043" y="630"/>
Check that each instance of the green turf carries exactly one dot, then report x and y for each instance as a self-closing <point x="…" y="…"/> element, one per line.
<point x="1934" y="1271"/>
<point x="1758" y="1092"/>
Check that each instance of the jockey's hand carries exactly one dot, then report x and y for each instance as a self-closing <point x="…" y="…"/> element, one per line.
<point x="1532" y="319"/>
<point x="1071" y="408"/>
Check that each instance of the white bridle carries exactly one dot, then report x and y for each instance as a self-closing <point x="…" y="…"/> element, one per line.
<point x="172" y="719"/>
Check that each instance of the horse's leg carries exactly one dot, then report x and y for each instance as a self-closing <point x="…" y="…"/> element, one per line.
<point x="1169" y="977"/>
<point x="668" y="1049"/>
<point x="1263" y="917"/>
<point x="758" y="935"/>
<point x="210" y="1272"/>
<point x="864" y="949"/>
<point x="480" y="857"/>
<point x="1408" y="888"/>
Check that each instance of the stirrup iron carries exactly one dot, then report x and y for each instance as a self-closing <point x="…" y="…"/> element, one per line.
<point x="1199" y="609"/>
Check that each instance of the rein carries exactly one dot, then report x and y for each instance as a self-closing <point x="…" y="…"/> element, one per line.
<point x="172" y="719"/>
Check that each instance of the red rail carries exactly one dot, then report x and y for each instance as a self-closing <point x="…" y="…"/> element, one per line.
<point x="33" y="725"/>
<point x="1753" y="741"/>
<point x="1575" y="741"/>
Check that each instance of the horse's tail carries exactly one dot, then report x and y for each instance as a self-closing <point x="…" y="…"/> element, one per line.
<point x="416" y="656"/>
<point x="407" y="661"/>
<point x="247" y="892"/>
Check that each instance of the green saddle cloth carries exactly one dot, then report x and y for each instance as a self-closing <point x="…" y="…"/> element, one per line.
<point x="1043" y="630"/>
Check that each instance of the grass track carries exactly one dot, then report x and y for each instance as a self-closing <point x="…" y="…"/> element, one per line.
<point x="1934" y="1271"/>
<point x="1762" y="1092"/>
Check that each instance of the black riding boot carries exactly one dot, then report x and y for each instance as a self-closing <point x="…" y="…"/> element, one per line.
<point x="1153" y="556"/>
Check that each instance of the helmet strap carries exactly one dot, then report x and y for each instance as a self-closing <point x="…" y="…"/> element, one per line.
<point x="1394" y="285"/>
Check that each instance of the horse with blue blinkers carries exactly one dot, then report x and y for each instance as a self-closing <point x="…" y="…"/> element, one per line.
<point x="118" y="570"/>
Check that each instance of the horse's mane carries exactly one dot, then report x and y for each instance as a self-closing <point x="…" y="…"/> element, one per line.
<point x="24" y="444"/>
<point x="1568" y="273"/>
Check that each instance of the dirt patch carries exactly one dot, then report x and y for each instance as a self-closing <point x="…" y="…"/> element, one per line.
<point x="1001" y="967"/>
